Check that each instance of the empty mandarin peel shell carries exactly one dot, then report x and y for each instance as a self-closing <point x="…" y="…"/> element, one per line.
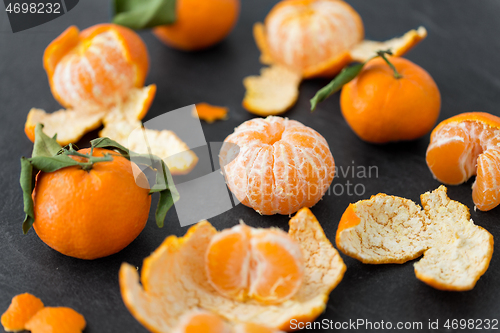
<point x="466" y="145"/>
<point x="262" y="264"/>
<point x="281" y="167"/>
<point x="95" y="69"/>
<point x="210" y="113"/>
<point x="310" y="38"/>
<point x="174" y="281"/>
<point x="20" y="311"/>
<point x="389" y="229"/>
<point x="56" y="320"/>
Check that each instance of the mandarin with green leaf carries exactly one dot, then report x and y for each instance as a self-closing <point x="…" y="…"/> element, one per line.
<point x="394" y="100"/>
<point x="92" y="213"/>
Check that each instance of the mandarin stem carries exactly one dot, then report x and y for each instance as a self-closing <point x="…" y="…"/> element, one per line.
<point x="382" y="55"/>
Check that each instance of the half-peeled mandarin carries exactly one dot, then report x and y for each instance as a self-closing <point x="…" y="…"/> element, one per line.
<point x="466" y="145"/>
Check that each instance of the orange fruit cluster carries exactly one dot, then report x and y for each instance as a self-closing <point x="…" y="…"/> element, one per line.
<point x="188" y="274"/>
<point x="27" y="312"/>
<point x="199" y="24"/>
<point x="91" y="214"/>
<point x="466" y="145"/>
<point x="265" y="265"/>
<point x="98" y="74"/>
<point x="281" y="166"/>
<point x="311" y="38"/>
<point x="380" y="107"/>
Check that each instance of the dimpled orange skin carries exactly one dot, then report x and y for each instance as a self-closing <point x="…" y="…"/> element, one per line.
<point x="90" y="214"/>
<point x="97" y="67"/>
<point x="380" y="108"/>
<point x="465" y="145"/>
<point x="199" y="24"/>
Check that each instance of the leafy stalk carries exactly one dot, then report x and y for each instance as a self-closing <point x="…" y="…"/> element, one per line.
<point x="144" y="14"/>
<point x="345" y="76"/>
<point x="49" y="156"/>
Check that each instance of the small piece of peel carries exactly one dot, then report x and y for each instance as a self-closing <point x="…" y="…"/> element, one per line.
<point x="20" y="311"/>
<point x="27" y="312"/>
<point x="210" y="113"/>
<point x="273" y="92"/>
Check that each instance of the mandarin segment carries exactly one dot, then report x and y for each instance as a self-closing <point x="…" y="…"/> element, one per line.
<point x="199" y="321"/>
<point x="228" y="262"/>
<point x="56" y="320"/>
<point x="282" y="165"/>
<point x="395" y="230"/>
<point x="20" y="311"/>
<point x="175" y="281"/>
<point x="463" y="146"/>
<point x="265" y="265"/>
<point x="277" y="268"/>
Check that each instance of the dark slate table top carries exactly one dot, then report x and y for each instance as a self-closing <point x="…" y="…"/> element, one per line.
<point x="461" y="53"/>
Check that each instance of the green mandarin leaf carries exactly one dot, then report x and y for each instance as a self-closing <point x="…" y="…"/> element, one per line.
<point x="142" y="14"/>
<point x="27" y="182"/>
<point x="107" y="143"/>
<point x="167" y="197"/>
<point x="44" y="145"/>
<point x="54" y="163"/>
<point x="346" y="75"/>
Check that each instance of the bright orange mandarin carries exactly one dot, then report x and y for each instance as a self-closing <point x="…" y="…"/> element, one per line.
<point x="56" y="320"/>
<point x="281" y="166"/>
<point x="91" y="214"/>
<point x="381" y="108"/>
<point x="263" y="264"/>
<point x="466" y="145"/>
<point x="95" y="69"/>
<point x="199" y="24"/>
<point x="311" y="36"/>
<point x="21" y="309"/>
